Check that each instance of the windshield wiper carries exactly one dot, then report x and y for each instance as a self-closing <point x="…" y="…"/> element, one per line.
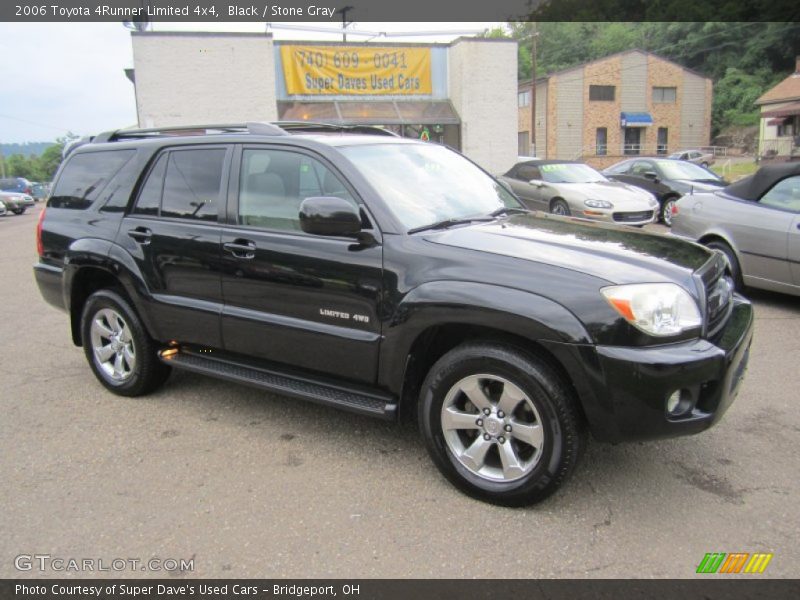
<point x="445" y="223"/>
<point x="508" y="210"/>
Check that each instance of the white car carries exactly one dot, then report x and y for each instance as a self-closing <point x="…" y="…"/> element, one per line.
<point x="571" y="188"/>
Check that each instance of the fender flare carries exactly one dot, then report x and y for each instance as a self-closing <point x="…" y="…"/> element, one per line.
<point x="510" y="310"/>
<point x="107" y="256"/>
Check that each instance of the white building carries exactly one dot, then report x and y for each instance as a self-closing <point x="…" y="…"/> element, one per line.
<point x="462" y="94"/>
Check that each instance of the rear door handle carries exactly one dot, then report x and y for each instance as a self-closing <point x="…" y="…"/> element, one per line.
<point x="241" y="248"/>
<point x="142" y="235"/>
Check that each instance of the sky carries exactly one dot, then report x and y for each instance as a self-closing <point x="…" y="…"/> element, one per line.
<point x="69" y="77"/>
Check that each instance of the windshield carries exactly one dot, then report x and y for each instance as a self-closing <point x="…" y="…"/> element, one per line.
<point x="425" y="183"/>
<point x="570" y="173"/>
<point x="684" y="170"/>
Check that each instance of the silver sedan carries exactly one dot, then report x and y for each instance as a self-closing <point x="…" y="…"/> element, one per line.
<point x="571" y="188"/>
<point x="754" y="222"/>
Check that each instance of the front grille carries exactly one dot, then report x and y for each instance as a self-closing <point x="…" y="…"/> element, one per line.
<point x="719" y="301"/>
<point x="633" y="217"/>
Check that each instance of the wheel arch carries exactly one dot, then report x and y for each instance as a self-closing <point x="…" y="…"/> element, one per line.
<point x="89" y="271"/>
<point x="437" y="317"/>
<point x="716" y="236"/>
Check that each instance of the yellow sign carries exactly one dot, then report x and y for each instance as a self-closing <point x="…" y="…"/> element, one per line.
<point x="356" y="70"/>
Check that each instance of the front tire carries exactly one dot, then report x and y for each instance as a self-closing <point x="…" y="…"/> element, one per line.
<point x="500" y="424"/>
<point x="666" y="210"/>
<point x="18" y="211"/>
<point x="120" y="352"/>
<point x="559" y="207"/>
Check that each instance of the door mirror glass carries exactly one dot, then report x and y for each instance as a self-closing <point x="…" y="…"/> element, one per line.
<point x="651" y="175"/>
<point x="329" y="215"/>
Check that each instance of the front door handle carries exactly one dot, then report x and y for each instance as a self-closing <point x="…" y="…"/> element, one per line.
<point x="142" y="235"/>
<point x="241" y="248"/>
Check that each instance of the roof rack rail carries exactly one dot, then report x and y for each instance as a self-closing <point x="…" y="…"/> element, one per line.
<point x="322" y="127"/>
<point x="175" y="130"/>
<point x="253" y="127"/>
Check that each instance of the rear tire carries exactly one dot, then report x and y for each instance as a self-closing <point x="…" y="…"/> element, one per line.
<point x="120" y="352"/>
<point x="534" y="425"/>
<point x="734" y="269"/>
<point x="18" y="211"/>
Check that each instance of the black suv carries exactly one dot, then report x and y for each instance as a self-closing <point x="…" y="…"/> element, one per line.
<point x="387" y="276"/>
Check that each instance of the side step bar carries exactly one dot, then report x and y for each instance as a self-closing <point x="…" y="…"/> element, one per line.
<point x="366" y="403"/>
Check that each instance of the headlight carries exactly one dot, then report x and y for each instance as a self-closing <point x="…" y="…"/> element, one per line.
<point x="598" y="203"/>
<point x="660" y="309"/>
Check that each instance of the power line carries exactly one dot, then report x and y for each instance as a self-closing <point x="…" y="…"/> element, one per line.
<point x="34" y="123"/>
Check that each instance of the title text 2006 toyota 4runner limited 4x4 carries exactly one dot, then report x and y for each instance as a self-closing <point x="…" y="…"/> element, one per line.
<point x="387" y="276"/>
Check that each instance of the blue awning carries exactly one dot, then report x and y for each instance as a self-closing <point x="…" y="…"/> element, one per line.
<point x="635" y="119"/>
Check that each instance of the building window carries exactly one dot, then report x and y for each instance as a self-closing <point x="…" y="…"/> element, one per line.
<point x="601" y="141"/>
<point x="665" y="95"/>
<point x="603" y="93"/>
<point x="663" y="140"/>
<point x="524" y="99"/>
<point x="785" y="129"/>
<point x="523" y="143"/>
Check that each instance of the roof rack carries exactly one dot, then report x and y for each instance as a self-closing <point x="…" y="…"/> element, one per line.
<point x="278" y="128"/>
<point x="321" y="127"/>
<point x="176" y="130"/>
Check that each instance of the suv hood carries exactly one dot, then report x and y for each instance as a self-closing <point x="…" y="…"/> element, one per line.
<point x="606" y="251"/>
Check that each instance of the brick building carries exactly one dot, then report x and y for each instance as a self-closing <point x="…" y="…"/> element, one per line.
<point x="460" y="94"/>
<point x="627" y="104"/>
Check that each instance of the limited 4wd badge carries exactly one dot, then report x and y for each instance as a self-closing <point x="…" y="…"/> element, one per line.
<point x="337" y="314"/>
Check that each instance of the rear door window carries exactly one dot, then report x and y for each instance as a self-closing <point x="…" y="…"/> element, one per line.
<point x="85" y="176"/>
<point x="193" y="183"/>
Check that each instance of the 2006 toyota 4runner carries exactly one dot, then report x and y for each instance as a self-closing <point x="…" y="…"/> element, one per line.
<point x="387" y="276"/>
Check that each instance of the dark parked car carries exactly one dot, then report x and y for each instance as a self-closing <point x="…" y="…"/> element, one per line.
<point x="39" y="190"/>
<point x="755" y="222"/>
<point x="666" y="178"/>
<point x="16" y="184"/>
<point x="388" y="277"/>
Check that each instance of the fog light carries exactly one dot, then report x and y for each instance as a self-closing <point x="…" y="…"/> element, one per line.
<point x="673" y="401"/>
<point x="679" y="402"/>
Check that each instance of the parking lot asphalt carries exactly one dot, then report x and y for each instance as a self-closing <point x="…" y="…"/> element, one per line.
<point x="250" y="484"/>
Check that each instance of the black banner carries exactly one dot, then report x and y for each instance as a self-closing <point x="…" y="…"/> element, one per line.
<point x="392" y="10"/>
<point x="712" y="588"/>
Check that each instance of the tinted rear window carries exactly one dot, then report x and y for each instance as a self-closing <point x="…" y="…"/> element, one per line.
<point x="85" y="176"/>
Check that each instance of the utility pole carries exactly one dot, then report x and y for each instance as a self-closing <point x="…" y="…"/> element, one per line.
<point x="345" y="22"/>
<point x="534" y="35"/>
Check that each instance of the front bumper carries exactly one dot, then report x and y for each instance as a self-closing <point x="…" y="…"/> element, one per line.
<point x="625" y="389"/>
<point x="636" y="218"/>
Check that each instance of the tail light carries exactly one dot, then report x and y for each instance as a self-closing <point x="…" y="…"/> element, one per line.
<point x="39" y="245"/>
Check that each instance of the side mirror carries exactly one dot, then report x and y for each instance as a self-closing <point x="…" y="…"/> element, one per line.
<point x="651" y="175"/>
<point x="536" y="183"/>
<point x="328" y="215"/>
